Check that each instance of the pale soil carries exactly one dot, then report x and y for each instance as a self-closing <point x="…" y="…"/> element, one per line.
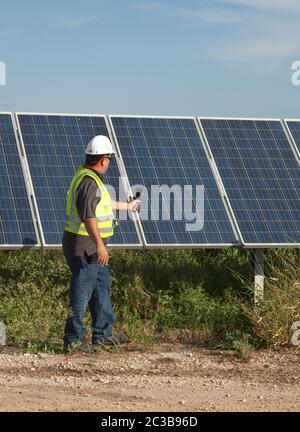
<point x="166" y="378"/>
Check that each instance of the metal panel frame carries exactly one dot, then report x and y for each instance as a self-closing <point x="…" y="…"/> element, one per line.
<point x="220" y="184"/>
<point x="238" y="118"/>
<point x="29" y="197"/>
<point x="290" y="136"/>
<point x="127" y="186"/>
<point x="250" y="245"/>
<point x="177" y="245"/>
<point x="59" y="246"/>
<point x="121" y="166"/>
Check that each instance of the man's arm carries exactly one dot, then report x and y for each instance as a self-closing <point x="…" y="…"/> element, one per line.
<point x="133" y="205"/>
<point x="92" y="229"/>
<point x="87" y="199"/>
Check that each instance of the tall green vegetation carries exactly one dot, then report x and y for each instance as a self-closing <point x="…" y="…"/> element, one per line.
<point x="273" y="317"/>
<point x="199" y="296"/>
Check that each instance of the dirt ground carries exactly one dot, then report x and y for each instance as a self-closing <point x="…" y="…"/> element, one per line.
<point x="166" y="378"/>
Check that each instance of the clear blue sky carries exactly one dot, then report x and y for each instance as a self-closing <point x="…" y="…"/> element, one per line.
<point x="180" y="57"/>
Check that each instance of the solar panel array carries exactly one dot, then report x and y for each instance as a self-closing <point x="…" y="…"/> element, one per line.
<point x="251" y="162"/>
<point x="168" y="151"/>
<point x="294" y="127"/>
<point x="16" y="221"/>
<point x="261" y="177"/>
<point x="54" y="146"/>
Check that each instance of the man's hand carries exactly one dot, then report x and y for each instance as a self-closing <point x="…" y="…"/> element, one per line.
<point x="92" y="229"/>
<point x="102" y="254"/>
<point x="134" y="205"/>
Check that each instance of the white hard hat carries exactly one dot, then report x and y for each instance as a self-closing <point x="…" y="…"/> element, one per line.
<point x="99" y="145"/>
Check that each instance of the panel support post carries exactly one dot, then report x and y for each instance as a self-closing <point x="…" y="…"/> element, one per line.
<point x="258" y="276"/>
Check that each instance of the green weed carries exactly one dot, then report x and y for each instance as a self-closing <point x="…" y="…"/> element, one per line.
<point x="182" y="295"/>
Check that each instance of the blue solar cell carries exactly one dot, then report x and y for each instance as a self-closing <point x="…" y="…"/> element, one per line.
<point x="168" y="151"/>
<point x="16" y="224"/>
<point x="261" y="177"/>
<point x="55" y="146"/>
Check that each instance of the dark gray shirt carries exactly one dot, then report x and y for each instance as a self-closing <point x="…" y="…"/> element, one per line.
<point x="88" y="196"/>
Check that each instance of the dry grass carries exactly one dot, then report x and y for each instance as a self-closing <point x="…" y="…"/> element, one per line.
<point x="280" y="307"/>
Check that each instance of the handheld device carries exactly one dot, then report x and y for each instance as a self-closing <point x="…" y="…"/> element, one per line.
<point x="137" y="196"/>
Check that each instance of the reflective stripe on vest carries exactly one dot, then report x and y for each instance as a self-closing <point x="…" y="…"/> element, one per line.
<point x="103" y="213"/>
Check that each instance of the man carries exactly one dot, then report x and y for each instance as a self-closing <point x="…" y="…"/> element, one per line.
<point x="89" y="225"/>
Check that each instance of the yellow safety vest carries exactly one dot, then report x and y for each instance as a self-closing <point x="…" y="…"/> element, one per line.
<point x="104" y="211"/>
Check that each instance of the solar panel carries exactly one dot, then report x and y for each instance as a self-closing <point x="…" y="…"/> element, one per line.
<point x="54" y="146"/>
<point x="16" y="222"/>
<point x="261" y="177"/>
<point x="294" y="129"/>
<point x="168" y="151"/>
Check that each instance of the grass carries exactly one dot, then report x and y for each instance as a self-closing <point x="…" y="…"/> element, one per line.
<point x="243" y="348"/>
<point x="273" y="318"/>
<point x="190" y="296"/>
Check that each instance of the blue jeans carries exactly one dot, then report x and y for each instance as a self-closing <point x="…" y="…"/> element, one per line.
<point x="90" y="285"/>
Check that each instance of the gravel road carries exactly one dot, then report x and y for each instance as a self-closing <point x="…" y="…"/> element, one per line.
<point x="166" y="378"/>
